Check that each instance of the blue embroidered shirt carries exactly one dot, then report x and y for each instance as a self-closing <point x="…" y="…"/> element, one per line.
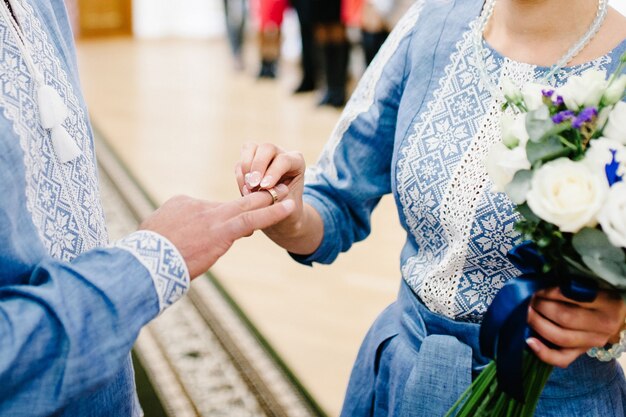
<point x="419" y="126"/>
<point x="71" y="306"/>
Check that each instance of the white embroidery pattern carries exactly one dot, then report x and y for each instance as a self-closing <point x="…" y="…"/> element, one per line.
<point x="63" y="199"/>
<point x="167" y="268"/>
<point x="362" y="98"/>
<point x="462" y="229"/>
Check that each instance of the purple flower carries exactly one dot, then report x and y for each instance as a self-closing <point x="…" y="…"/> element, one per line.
<point x="586" y="115"/>
<point x="562" y="116"/>
<point x="558" y="101"/>
<point x="547" y="93"/>
<point x="611" y="170"/>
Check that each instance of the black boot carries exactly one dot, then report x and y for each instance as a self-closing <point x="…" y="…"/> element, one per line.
<point x="268" y="69"/>
<point x="308" y="60"/>
<point x="337" y="56"/>
<point x="371" y="42"/>
<point x="307" y="84"/>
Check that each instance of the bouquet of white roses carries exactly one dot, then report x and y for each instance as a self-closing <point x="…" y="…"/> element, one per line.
<point x="562" y="161"/>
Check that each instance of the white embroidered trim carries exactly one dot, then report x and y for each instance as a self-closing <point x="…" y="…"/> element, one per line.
<point x="63" y="199"/>
<point x="442" y="141"/>
<point x="363" y="97"/>
<point x="465" y="191"/>
<point x="161" y="258"/>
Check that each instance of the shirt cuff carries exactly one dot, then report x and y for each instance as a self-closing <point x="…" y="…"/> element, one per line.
<point x="165" y="264"/>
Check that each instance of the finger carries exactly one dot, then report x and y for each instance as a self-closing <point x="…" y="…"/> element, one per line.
<point x="563" y="337"/>
<point x="254" y="201"/>
<point x="239" y="178"/>
<point x="569" y="316"/>
<point x="561" y="357"/>
<point x="263" y="156"/>
<point x="247" y="155"/>
<point x="579" y="317"/>
<point x="247" y="222"/>
<point x="284" y="164"/>
<point x="602" y="298"/>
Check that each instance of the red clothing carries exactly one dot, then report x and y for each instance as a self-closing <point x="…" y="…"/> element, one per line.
<point x="351" y="11"/>
<point x="270" y="13"/>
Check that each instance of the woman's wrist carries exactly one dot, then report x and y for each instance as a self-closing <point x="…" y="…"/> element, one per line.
<point x="609" y="352"/>
<point x="301" y="237"/>
<point x="613" y="349"/>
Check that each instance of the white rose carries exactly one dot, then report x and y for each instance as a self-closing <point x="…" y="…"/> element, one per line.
<point x="615" y="91"/>
<point x="533" y="96"/>
<point x="600" y="153"/>
<point x="567" y="194"/>
<point x="584" y="90"/>
<point x="612" y="217"/>
<point x="616" y="126"/>
<point x="502" y="163"/>
<point x="513" y="129"/>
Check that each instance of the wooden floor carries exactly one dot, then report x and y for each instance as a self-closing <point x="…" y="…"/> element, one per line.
<point x="177" y="114"/>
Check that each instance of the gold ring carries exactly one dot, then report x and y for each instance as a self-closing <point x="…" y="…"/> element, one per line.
<point x="273" y="193"/>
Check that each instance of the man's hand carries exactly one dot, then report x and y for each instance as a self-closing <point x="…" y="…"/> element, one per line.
<point x="203" y="231"/>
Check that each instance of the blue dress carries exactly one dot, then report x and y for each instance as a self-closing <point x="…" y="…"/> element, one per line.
<point x="71" y="305"/>
<point x="419" y="125"/>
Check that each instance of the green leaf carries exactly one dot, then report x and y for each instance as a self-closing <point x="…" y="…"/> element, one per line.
<point x="612" y="272"/>
<point x="538" y="123"/>
<point x="577" y="267"/>
<point x="547" y="150"/>
<point x="594" y="242"/>
<point x="519" y="186"/>
<point x="556" y="130"/>
<point x="604" y="259"/>
<point x="527" y="213"/>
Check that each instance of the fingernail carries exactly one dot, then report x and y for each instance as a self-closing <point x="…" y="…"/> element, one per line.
<point x="253" y="179"/>
<point x="266" y="181"/>
<point x="281" y="188"/>
<point x="532" y="343"/>
<point x="289" y="204"/>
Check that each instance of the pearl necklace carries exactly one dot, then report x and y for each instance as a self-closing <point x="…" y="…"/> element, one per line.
<point x="479" y="50"/>
<point x="52" y="109"/>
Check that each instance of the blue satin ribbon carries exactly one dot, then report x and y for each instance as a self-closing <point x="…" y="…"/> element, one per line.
<point x="504" y="329"/>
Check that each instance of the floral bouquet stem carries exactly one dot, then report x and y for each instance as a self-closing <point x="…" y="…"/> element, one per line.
<point x="484" y="398"/>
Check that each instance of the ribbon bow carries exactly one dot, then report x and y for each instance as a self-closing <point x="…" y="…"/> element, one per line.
<point x="504" y="329"/>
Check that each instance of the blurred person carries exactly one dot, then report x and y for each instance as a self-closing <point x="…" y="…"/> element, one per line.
<point x="71" y="304"/>
<point x="419" y="125"/>
<point x="330" y="33"/>
<point x="308" y="63"/>
<point x="235" y="12"/>
<point x="374" y="19"/>
<point x="378" y="17"/>
<point x="270" y="17"/>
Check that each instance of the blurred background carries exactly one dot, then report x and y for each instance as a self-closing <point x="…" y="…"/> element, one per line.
<point x="175" y="88"/>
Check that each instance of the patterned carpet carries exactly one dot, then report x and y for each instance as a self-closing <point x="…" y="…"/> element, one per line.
<point x="202" y="356"/>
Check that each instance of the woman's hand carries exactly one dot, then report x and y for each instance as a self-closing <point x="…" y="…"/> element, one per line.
<point x="266" y="166"/>
<point x="575" y="327"/>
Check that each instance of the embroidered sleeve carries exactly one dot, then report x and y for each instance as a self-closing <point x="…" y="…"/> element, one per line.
<point x="161" y="258"/>
<point x="353" y="171"/>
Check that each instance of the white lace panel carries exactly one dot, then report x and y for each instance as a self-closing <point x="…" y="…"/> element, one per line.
<point x="363" y="97"/>
<point x="463" y="231"/>
<point x="63" y="199"/>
